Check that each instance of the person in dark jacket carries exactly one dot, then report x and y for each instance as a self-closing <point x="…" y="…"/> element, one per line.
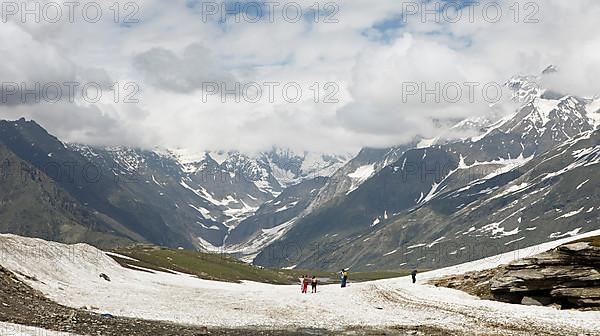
<point x="413" y="274"/>
<point x="313" y="284"/>
<point x="344" y="277"/>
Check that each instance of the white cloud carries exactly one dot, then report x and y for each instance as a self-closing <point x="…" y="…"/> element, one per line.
<point x="171" y="52"/>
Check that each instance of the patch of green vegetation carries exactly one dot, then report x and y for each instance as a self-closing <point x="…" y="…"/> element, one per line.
<point x="203" y="265"/>
<point x="221" y="267"/>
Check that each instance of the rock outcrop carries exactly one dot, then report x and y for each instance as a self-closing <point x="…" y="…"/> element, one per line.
<point x="568" y="276"/>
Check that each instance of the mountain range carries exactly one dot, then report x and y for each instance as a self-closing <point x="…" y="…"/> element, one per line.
<point x="462" y="200"/>
<point x="509" y="182"/>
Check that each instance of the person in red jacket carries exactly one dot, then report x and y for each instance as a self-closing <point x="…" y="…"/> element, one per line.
<point x="305" y="282"/>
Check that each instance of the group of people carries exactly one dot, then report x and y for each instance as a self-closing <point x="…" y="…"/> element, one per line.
<point x="305" y="280"/>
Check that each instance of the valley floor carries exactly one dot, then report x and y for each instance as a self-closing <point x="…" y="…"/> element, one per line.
<point x="69" y="275"/>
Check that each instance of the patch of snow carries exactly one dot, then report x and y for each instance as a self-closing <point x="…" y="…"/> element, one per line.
<point x="219" y="157"/>
<point x="250" y="249"/>
<point x="391" y="252"/>
<point x="514" y="241"/>
<point x="511" y="190"/>
<point x="121" y="256"/>
<point x="571" y="214"/>
<point x="435" y="242"/>
<point x="207" y="246"/>
<point x="360" y="175"/>
<point x="287" y="206"/>
<point x="204" y="212"/>
<point x="557" y="235"/>
<point x="582" y="183"/>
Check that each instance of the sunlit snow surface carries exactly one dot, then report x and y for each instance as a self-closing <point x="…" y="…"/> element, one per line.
<point x="70" y="275"/>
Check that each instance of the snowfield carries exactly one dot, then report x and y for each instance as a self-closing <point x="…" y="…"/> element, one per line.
<point x="69" y="274"/>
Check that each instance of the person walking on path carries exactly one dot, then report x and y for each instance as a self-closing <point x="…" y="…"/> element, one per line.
<point x="413" y="274"/>
<point x="313" y="284"/>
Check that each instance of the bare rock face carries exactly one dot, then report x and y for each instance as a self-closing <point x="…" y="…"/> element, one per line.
<point x="582" y="297"/>
<point x="568" y="275"/>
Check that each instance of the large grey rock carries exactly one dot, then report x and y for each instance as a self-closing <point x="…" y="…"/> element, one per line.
<point x="536" y="300"/>
<point x="545" y="278"/>
<point x="583" y="297"/>
<point x="567" y="274"/>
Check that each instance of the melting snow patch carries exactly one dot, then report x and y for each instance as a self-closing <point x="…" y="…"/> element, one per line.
<point x="435" y="242"/>
<point x="514" y="241"/>
<point x="207" y="246"/>
<point x="205" y="213"/>
<point x="470" y="230"/>
<point x="360" y="175"/>
<point x="391" y="252"/>
<point x="112" y="254"/>
<point x="570" y="214"/>
<point x="287" y="206"/>
<point x="511" y="190"/>
<point x="581" y="185"/>
<point x="566" y="234"/>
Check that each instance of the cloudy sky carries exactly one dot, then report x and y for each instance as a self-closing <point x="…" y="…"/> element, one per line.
<point x="336" y="77"/>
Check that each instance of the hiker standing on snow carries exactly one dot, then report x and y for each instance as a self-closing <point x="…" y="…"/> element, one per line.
<point x="305" y="282"/>
<point x="344" y="277"/>
<point x="413" y="274"/>
<point x="301" y="278"/>
<point x="313" y="284"/>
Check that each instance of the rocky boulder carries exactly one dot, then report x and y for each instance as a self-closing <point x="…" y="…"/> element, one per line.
<point x="568" y="275"/>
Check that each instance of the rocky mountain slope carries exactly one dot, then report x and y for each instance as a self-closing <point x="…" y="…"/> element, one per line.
<point x="167" y="197"/>
<point x="33" y="204"/>
<point x="470" y="188"/>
